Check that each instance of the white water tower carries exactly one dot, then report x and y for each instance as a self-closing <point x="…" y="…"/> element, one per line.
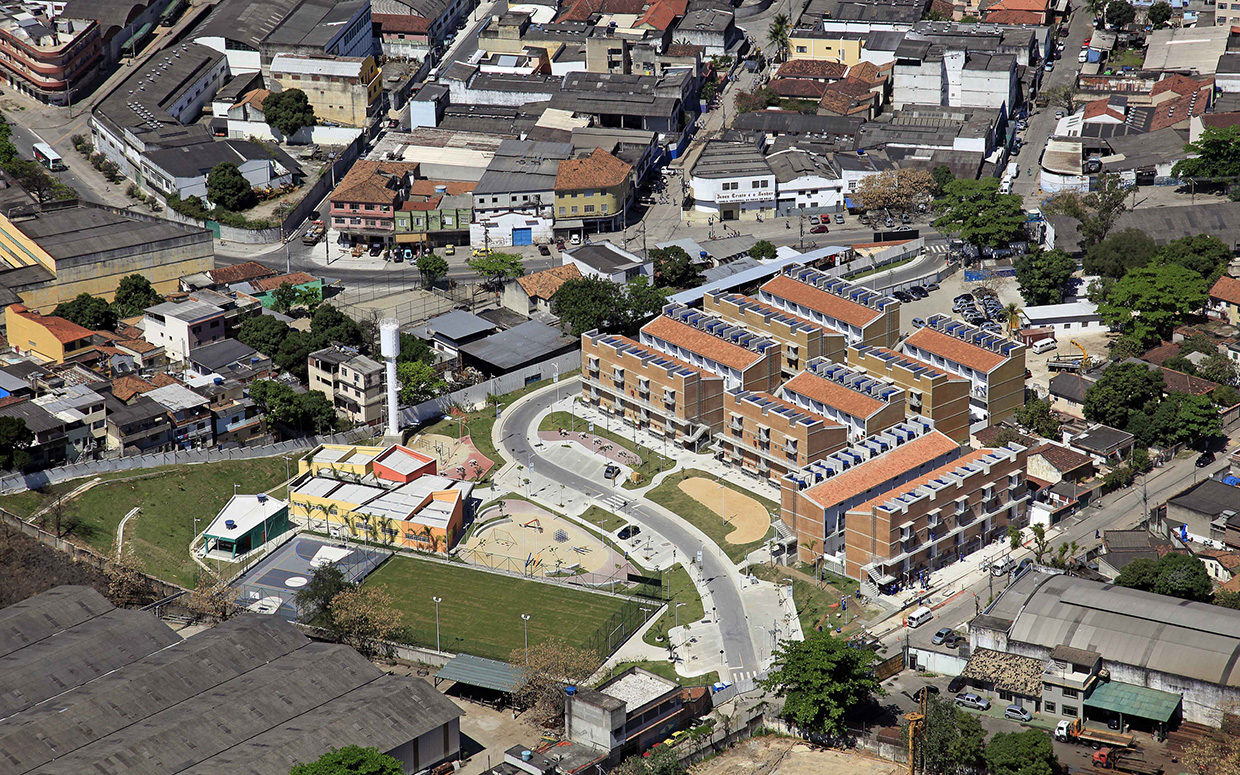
<point x="389" y="347"/>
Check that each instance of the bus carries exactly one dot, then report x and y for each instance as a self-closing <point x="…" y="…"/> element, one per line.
<point x="45" y="155"/>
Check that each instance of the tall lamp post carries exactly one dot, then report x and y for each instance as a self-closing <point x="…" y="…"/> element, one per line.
<point x="526" y="619"/>
<point x="677" y="610"/>
<point x="437" y="600"/>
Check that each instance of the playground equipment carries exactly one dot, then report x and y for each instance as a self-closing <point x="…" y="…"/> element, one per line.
<point x="534" y="523"/>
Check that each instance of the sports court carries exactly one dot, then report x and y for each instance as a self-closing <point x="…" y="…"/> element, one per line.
<point x="270" y="586"/>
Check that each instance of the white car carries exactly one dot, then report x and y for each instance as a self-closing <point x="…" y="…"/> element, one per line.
<point x="1083" y="57"/>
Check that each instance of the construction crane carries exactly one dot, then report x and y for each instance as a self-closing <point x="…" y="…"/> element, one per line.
<point x="916" y="729"/>
<point x="1084" y="355"/>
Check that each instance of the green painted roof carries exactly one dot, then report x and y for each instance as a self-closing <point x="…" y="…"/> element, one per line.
<point x="485" y="673"/>
<point x="1133" y="700"/>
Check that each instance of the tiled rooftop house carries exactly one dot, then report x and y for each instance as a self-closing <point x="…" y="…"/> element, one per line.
<point x="740" y="356"/>
<point x="862" y="315"/>
<point x="929" y="390"/>
<point x="815" y="498"/>
<point x="935" y="519"/>
<point x="994" y="365"/>
<point x="801" y="340"/>
<point x="769" y="437"/>
<point x="850" y="397"/>
<point x="657" y="391"/>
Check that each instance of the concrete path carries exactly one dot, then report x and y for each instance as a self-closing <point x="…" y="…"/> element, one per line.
<point x="120" y="531"/>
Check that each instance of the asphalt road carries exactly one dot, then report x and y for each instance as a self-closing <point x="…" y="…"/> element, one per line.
<point x="24" y="140"/>
<point x="739" y="651"/>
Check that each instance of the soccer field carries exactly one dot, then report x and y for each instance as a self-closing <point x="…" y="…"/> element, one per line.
<point x="481" y="612"/>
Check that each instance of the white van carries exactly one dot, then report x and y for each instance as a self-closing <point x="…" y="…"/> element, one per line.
<point x="1003" y="566"/>
<point x="1044" y="345"/>
<point x="920" y="617"/>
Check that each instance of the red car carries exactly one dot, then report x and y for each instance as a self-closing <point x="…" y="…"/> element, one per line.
<point x="819" y="230"/>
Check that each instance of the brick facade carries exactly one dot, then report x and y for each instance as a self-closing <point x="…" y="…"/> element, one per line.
<point x="768" y="437"/>
<point x="802" y="341"/>
<point x="861" y="315"/>
<point x="931" y="392"/>
<point x="994" y="365"/>
<point x="706" y="342"/>
<point x="850" y="397"/>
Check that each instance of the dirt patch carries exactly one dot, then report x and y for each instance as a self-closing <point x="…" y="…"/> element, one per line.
<point x="532" y="541"/>
<point x="785" y="756"/>
<point x="749" y="518"/>
<point x="459" y="459"/>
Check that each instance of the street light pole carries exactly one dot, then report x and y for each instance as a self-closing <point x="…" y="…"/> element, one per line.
<point x="526" y="619"/>
<point x="437" y="600"/>
<point x="677" y="610"/>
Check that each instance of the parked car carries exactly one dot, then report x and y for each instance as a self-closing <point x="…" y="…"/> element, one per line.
<point x="449" y="250"/>
<point x="482" y="252"/>
<point x="611" y="471"/>
<point x="919" y="323"/>
<point x="971" y="700"/>
<point x="628" y="531"/>
<point x="1204" y="459"/>
<point x="404" y="255"/>
<point x="931" y="286"/>
<point x="964" y="297"/>
<point x="955" y="641"/>
<point x="942" y="635"/>
<point x="376" y="250"/>
<point x="906" y="218"/>
<point x="903" y="296"/>
<point x="575" y="239"/>
<point x="839" y="217"/>
<point x="1049" y="66"/>
<point x="955" y="685"/>
<point x="1017" y="713"/>
<point x="919" y="291"/>
<point x="820" y="229"/>
<point x="543" y="250"/>
<point x="1083" y="57"/>
<point x="927" y="689"/>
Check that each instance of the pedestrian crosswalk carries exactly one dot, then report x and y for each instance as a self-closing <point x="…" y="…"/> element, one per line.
<point x="745" y="675"/>
<point x="937" y="249"/>
<point x="615" y="502"/>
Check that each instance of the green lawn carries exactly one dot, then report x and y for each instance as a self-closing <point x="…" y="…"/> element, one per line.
<point x="652" y="462"/>
<point x="815" y="600"/>
<point x="597" y="515"/>
<point x="1126" y="57"/>
<point x="683" y="591"/>
<point x="669" y="495"/>
<point x="667" y="670"/>
<point x="875" y="270"/>
<point x="478" y="424"/>
<point x="481" y="612"/>
<point x="170" y="499"/>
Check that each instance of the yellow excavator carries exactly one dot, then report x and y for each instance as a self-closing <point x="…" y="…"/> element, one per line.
<point x="1085" y="361"/>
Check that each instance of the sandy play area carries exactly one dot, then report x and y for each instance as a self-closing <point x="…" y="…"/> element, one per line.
<point x="748" y="517"/>
<point x="457" y="459"/>
<point x="782" y="756"/>
<point x="526" y="539"/>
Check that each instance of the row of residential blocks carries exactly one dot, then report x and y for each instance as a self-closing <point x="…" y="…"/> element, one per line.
<point x="811" y="387"/>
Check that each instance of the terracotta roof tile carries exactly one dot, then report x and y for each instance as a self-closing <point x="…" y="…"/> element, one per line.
<point x="673" y="331"/>
<point x="684" y="50"/>
<point x="798" y="87"/>
<point x="371" y="182"/>
<point x="1101" y="107"/>
<point x="840" y="104"/>
<point x="544" y="284"/>
<point x="422" y="206"/>
<point x="909" y="486"/>
<point x="1220" y="120"/>
<point x="426" y="188"/>
<point x="658" y="16"/>
<point x="1162" y="353"/>
<point x="852" y="87"/>
<point x="1227" y="288"/>
<point x="162" y="379"/>
<point x="271" y="283"/>
<point x="856" y="480"/>
<point x="1181" y="85"/>
<point x="834" y="395"/>
<point x="681" y="363"/>
<point x="956" y="350"/>
<point x="811" y="68"/>
<point x="250" y="270"/>
<point x="140" y="346"/>
<point x="867" y="72"/>
<point x="1168" y="113"/>
<point x="125" y="388"/>
<point x="65" y="331"/>
<point x="1061" y="458"/>
<point x="399" y="22"/>
<point x="598" y="170"/>
<point x="829" y="304"/>
<point x="255" y="97"/>
<point x="1005" y="16"/>
<point x="1179" y="382"/>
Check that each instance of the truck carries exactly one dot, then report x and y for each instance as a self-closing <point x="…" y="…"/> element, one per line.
<point x="313" y="234"/>
<point x="1125" y="761"/>
<point x="1077" y="731"/>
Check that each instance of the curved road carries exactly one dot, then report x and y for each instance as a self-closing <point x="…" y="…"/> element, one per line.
<point x="720" y="578"/>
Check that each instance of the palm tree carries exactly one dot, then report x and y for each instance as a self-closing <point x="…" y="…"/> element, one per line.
<point x="777" y="35"/>
<point x="1011" y="313"/>
<point x="387" y="526"/>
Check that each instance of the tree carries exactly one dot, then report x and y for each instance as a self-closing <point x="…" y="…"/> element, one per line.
<point x="953" y="740"/>
<point x="88" y="312"/>
<point x="309" y="412"/>
<point x="432" y="267"/>
<point x="288" y="111"/>
<point x="1214" y="156"/>
<point x="1118" y="253"/>
<point x="663" y="760"/>
<point x="589" y="303"/>
<point x="1042" y="275"/>
<point x="134" y="293"/>
<point x="1149" y="302"/>
<point x="1225" y="396"/>
<point x="977" y="213"/>
<point x="1021" y="753"/>
<point x="212" y="598"/>
<point x="762" y="250"/>
<point x="331" y="326"/>
<point x="1120" y="13"/>
<point x="1180" y="363"/>
<point x="413" y="348"/>
<point x="1061" y="97"/>
<point x="642" y="301"/>
<point x="228" y="188"/>
<point x="1218" y="368"/>
<point x="351" y="760"/>
<point x="821" y="679"/>
<point x="1036" y="416"/>
<point x="1123" y="389"/>
<point x="777" y="33"/>
<point x="899" y="189"/>
<point x="942" y="175"/>
<point x="1158" y="14"/>
<point x="1196" y="419"/>
<point x="363" y="617"/>
<point x="1205" y="254"/>
<point x="314" y="600"/>
<point x="1175" y="575"/>
<point x="418" y="382"/>
<point x="545" y="667"/>
<point x="15" y="439"/>
<point x="674" y="268"/>
<point x="1215" y="753"/>
<point x="30" y="176"/>
<point x="1096" y="211"/>
<point x="284" y="297"/>
<point x="497" y="267"/>
<point x="264" y="333"/>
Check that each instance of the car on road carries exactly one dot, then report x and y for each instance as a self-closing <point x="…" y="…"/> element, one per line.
<point x="1017" y="713"/>
<point x="477" y="252"/>
<point x="1059" y="114"/>
<point x="906" y="218"/>
<point x="1204" y="459"/>
<point x="1083" y="57"/>
<point x="974" y="701"/>
<point x="919" y="323"/>
<point x="1049" y="66"/>
<point x="942" y="635"/>
<point x="955" y="685"/>
<point x="543" y="250"/>
<point x="575" y="239"/>
<point x="628" y="531"/>
<point x="611" y="471"/>
<point x="449" y="250"/>
<point x="820" y="229"/>
<point x="839" y="217"/>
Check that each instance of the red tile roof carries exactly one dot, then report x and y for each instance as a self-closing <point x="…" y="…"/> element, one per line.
<point x="888" y="494"/>
<point x="1226" y="288"/>
<point x="811" y="68"/>
<point x="139" y="346"/>
<point x="1168" y="113"/>
<point x="1101" y="107"/>
<point x="1179" y="382"/>
<point x="426" y="188"/>
<point x="65" y="331"/>
<point x="598" y="170"/>
<point x="829" y="304"/>
<point x="250" y="270"/>
<point x="271" y="283"/>
<point x="161" y="379"/>
<point x="658" y="16"/>
<point x="426" y="205"/>
<point x="255" y="97"/>
<point x="1162" y="353"/>
<point x="856" y="480"/>
<point x="399" y="22"/>
<point x="371" y="182"/>
<point x="1061" y="458"/>
<point x="834" y="394"/>
<point x="544" y="284"/>
<point x="956" y="350"/>
<point x="125" y="388"/>
<point x="1005" y="16"/>
<point x="798" y="87"/>
<point x="684" y="50"/>
<point x="1220" y="120"/>
<point x="1181" y="85"/>
<point x="673" y="331"/>
<point x="664" y="356"/>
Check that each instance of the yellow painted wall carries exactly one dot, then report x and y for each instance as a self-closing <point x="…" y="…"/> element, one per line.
<point x="309" y="465"/>
<point x="305" y="506"/>
<point x="29" y="336"/>
<point x="846" y="52"/>
<point x="613" y="198"/>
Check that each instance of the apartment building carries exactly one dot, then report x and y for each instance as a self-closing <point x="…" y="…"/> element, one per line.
<point x="351" y="381"/>
<point x="181" y="326"/>
<point x="192" y="423"/>
<point x="740" y="356"/>
<point x="342" y="90"/>
<point x="994" y="365"/>
<point x="802" y="341"/>
<point x="929" y="391"/>
<point x="850" y="397"/>
<point x="769" y="437"/>
<point x="937" y="518"/>
<point x="815" y="499"/>
<point x="50" y="59"/>
<point x="661" y="393"/>
<point x="364" y="204"/>
<point x="861" y="315"/>
<point x="47" y="337"/>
